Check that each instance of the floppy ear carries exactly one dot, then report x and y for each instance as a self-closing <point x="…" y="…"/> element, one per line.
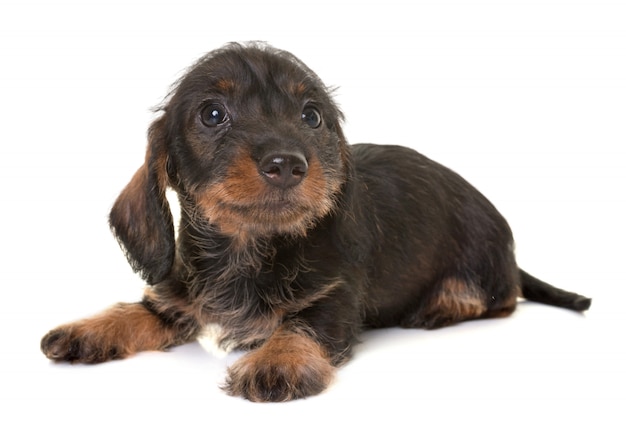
<point x="141" y="219"/>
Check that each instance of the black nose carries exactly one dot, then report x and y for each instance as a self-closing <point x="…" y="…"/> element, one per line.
<point x="283" y="169"/>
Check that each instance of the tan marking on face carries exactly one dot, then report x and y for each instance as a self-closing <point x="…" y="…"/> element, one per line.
<point x="298" y="88"/>
<point x="244" y="205"/>
<point x="226" y="85"/>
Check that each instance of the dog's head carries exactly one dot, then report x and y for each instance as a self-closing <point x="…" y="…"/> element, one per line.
<point x="251" y="140"/>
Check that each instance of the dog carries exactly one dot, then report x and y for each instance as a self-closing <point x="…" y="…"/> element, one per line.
<point x="291" y="242"/>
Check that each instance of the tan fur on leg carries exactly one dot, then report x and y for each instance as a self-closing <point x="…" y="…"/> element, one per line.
<point x="288" y="366"/>
<point x="118" y="332"/>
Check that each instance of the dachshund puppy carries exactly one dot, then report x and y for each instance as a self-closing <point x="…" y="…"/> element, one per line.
<point x="291" y="241"/>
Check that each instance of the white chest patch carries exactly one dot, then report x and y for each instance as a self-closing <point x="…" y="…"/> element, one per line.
<point x="212" y="339"/>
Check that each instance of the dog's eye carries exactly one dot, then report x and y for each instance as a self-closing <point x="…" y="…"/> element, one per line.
<point x="213" y="114"/>
<point x="311" y="117"/>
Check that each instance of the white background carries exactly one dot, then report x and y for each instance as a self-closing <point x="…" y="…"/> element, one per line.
<point x="526" y="99"/>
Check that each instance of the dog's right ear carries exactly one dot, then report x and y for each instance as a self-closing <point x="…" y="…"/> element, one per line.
<point x="141" y="219"/>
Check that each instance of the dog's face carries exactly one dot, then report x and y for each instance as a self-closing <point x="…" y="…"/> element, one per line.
<point x="251" y="139"/>
<point x="256" y="142"/>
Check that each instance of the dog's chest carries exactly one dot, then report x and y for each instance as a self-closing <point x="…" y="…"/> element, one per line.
<point x="215" y="340"/>
<point x="244" y="318"/>
<point x="238" y="332"/>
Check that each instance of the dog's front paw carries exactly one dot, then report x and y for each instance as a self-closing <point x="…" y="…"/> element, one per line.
<point x="286" y="367"/>
<point x="69" y="343"/>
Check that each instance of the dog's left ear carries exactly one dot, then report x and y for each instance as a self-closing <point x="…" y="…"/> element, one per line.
<point x="141" y="219"/>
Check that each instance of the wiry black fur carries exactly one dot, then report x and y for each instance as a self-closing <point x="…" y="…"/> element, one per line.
<point x="382" y="236"/>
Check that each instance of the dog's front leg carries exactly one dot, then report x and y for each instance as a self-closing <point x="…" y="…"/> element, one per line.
<point x="116" y="333"/>
<point x="299" y="359"/>
<point x="291" y="364"/>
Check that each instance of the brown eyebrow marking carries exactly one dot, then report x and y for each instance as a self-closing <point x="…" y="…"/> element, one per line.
<point x="226" y="84"/>
<point x="298" y="88"/>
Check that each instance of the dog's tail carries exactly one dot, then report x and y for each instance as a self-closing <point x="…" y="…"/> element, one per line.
<point x="534" y="289"/>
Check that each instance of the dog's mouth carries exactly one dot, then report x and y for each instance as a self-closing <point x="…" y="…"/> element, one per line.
<point x="279" y="203"/>
<point x="271" y="214"/>
<point x="274" y="212"/>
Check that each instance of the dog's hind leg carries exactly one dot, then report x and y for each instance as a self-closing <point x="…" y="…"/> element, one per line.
<point x="455" y="300"/>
